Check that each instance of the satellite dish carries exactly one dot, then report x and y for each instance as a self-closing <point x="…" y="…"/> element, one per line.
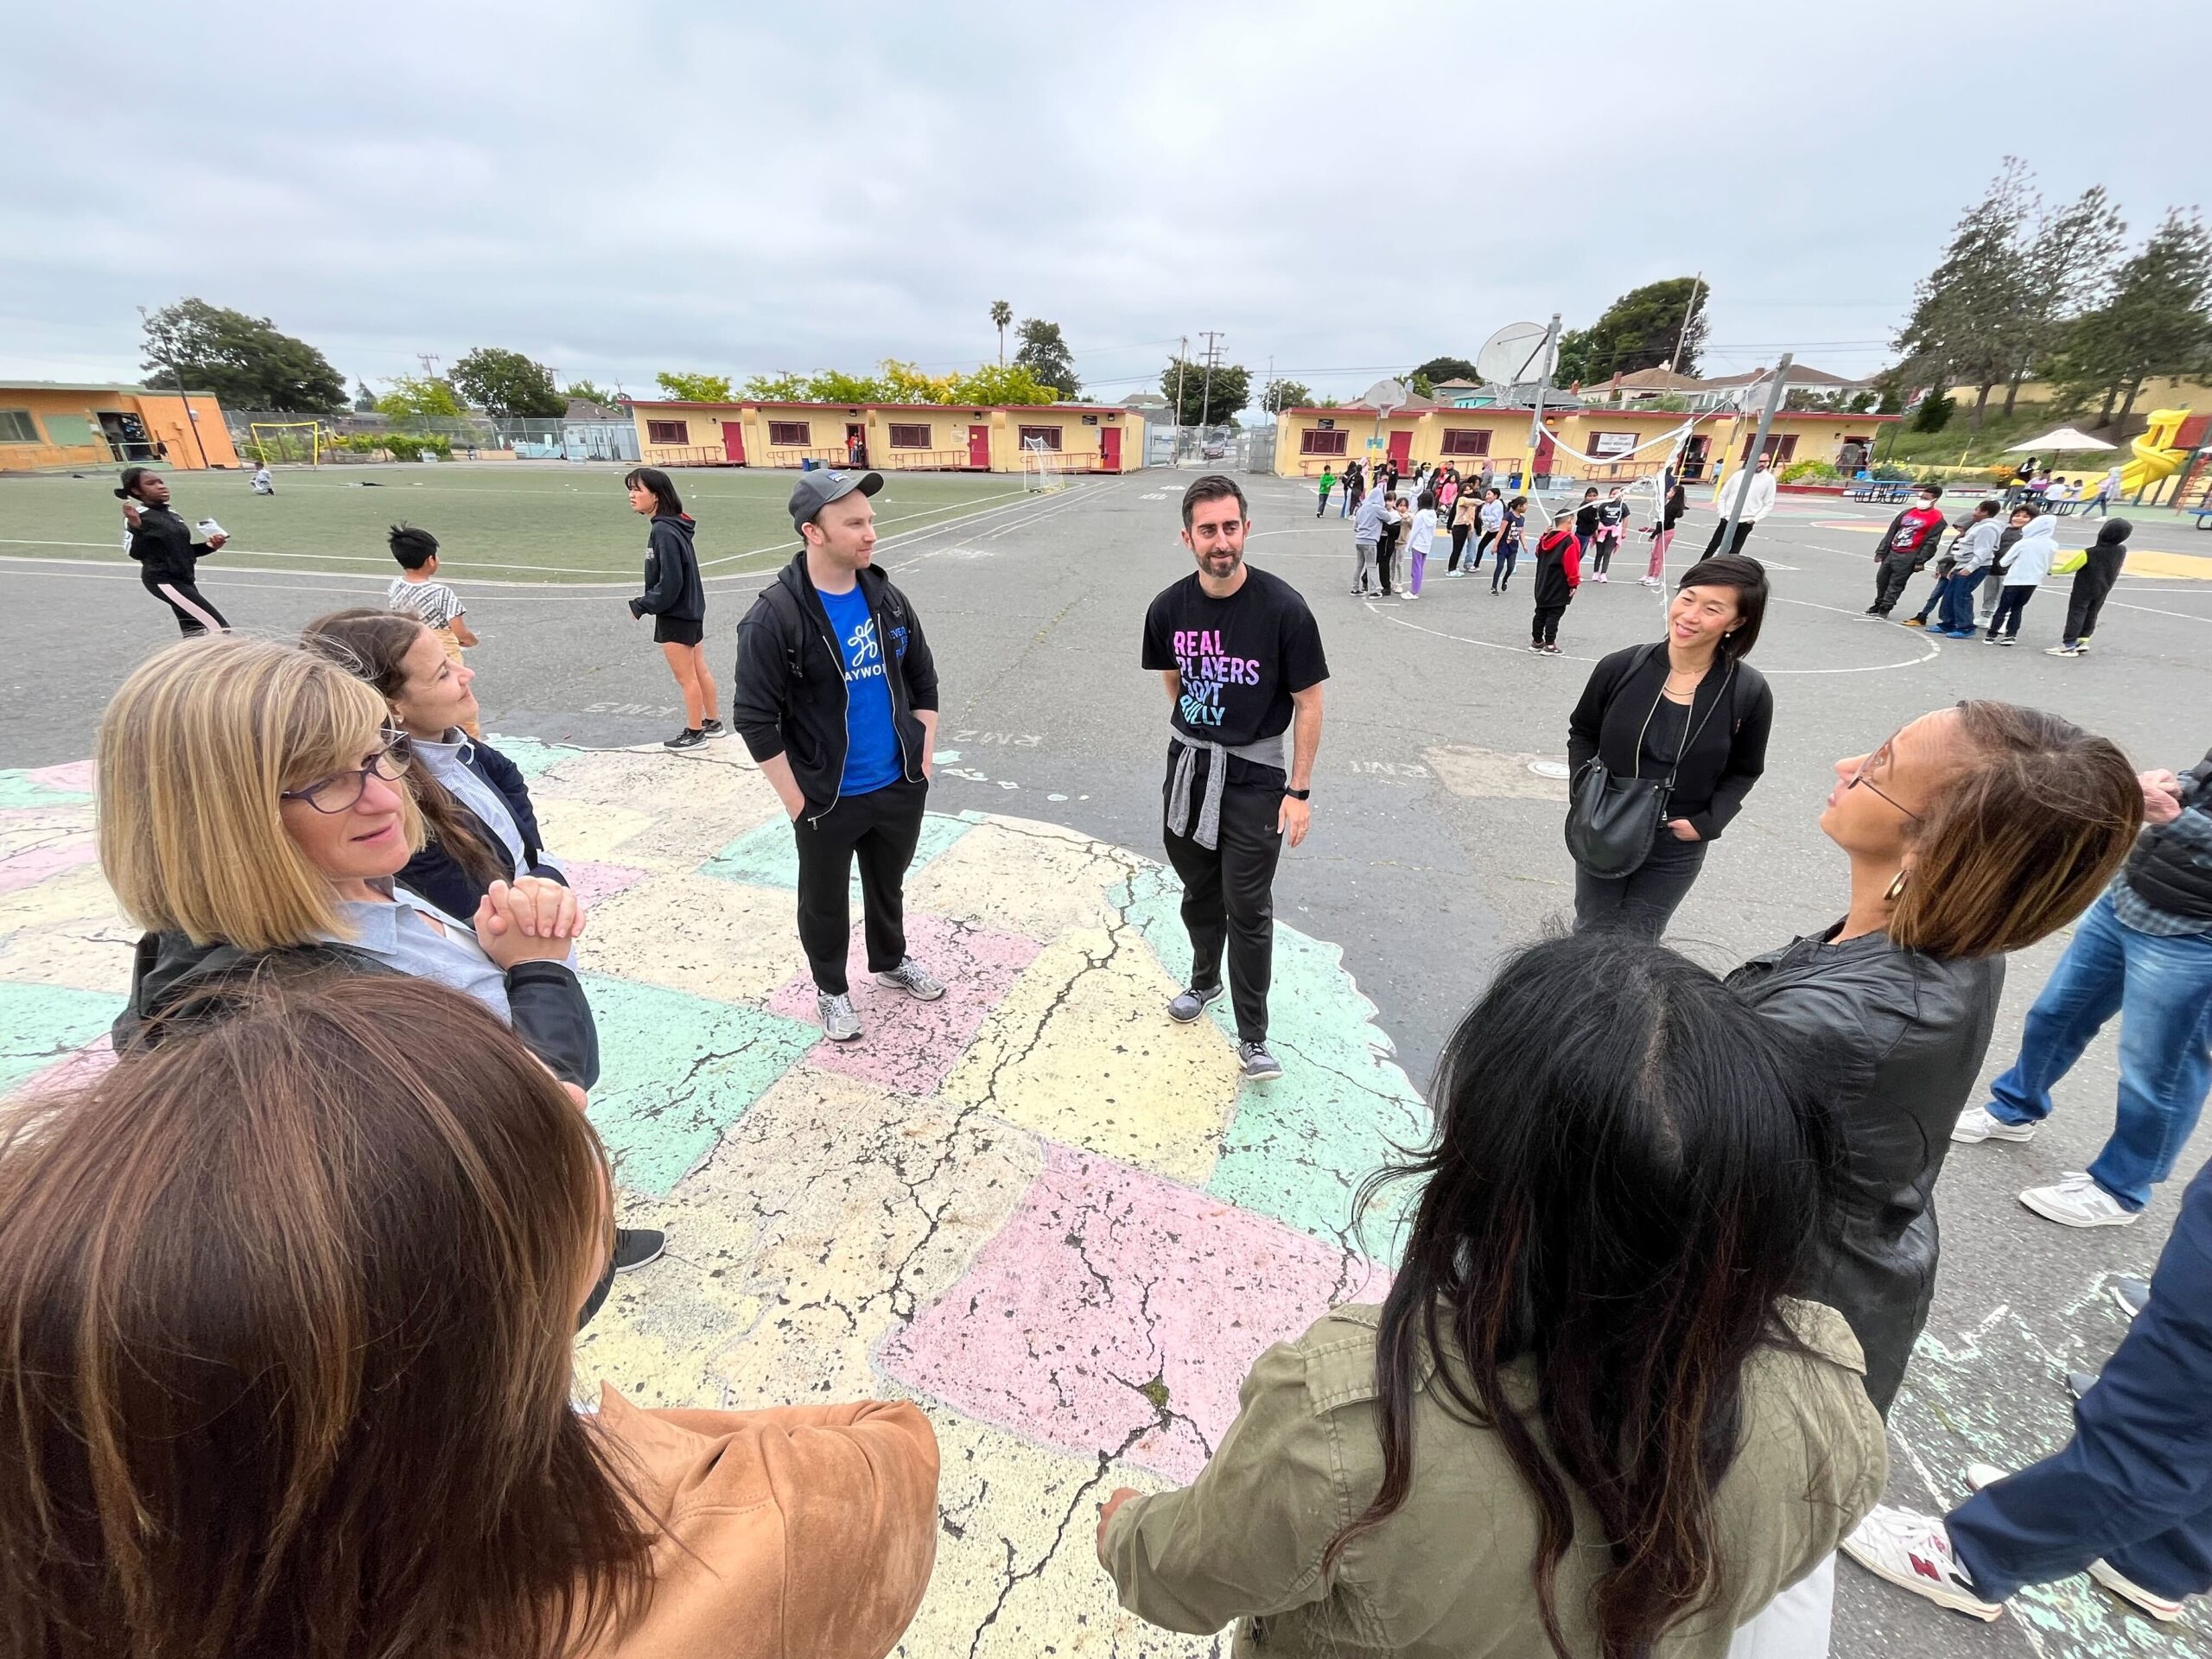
<point x="1515" y="354"/>
<point x="1385" y="395"/>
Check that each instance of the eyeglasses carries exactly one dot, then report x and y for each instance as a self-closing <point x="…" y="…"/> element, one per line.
<point x="342" y="790"/>
<point x="1881" y="757"/>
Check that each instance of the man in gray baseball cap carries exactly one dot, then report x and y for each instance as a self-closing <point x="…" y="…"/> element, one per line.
<point x="837" y="700"/>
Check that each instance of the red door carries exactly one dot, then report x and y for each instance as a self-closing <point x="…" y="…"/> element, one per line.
<point x="1545" y="450"/>
<point x="1401" y="449"/>
<point x="734" y="442"/>
<point x="1110" y="448"/>
<point x="979" y="448"/>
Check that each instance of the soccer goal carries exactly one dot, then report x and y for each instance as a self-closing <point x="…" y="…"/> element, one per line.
<point x="1039" y="471"/>
<point x="288" y="441"/>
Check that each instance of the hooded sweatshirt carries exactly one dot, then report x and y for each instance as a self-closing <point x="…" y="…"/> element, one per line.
<point x="672" y="586"/>
<point x="1753" y="492"/>
<point x="2029" y="561"/>
<point x="2112" y="544"/>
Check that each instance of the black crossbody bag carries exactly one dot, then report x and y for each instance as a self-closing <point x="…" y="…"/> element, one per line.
<point x="1611" y="821"/>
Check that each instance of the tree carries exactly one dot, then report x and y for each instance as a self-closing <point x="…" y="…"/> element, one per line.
<point x="421" y="396"/>
<point x="1009" y="383"/>
<point x="1231" y="389"/>
<point x="1647" y="327"/>
<point x="1045" y="354"/>
<point x="1001" y="320"/>
<point x="591" y="392"/>
<point x="1447" y="368"/>
<point x="1286" y="394"/>
<point x="1966" y="320"/>
<point x="365" y="401"/>
<point x="2158" y="321"/>
<point x="244" y="360"/>
<point x="2068" y="268"/>
<point x="508" y="385"/>
<point x="903" y="383"/>
<point x="687" y="388"/>
<point x="781" y="387"/>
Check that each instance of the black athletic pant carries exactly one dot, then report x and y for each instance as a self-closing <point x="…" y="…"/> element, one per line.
<point x="194" y="613"/>
<point x="1383" y="554"/>
<point x="1229" y="893"/>
<point x="1481" y="548"/>
<point x="1459" y="546"/>
<point x="1644" y="900"/>
<point x="1601" y="556"/>
<point x="1544" y="630"/>
<point x="1501" y="567"/>
<point x="881" y="828"/>
<point x="1891" y="576"/>
<point x="2092" y="582"/>
<point x="1743" y="534"/>
<point x="2005" y="619"/>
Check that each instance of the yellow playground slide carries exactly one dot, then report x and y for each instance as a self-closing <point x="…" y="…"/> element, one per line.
<point x="2156" y="457"/>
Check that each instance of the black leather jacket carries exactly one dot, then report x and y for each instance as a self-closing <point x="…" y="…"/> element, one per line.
<point x="1903" y="1036"/>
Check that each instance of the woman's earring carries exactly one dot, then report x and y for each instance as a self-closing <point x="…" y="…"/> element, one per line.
<point x="1897" y="888"/>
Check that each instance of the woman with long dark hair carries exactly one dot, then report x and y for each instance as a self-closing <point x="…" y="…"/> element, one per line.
<point x="167" y="557"/>
<point x="676" y="599"/>
<point x="286" y="1315"/>
<point x="1589" y="1419"/>
<point x="1690" y="710"/>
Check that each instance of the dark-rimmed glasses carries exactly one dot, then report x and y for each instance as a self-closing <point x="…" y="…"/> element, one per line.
<point x="342" y="790"/>
<point x="1880" y="757"/>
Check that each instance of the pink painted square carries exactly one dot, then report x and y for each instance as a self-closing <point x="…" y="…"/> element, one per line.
<point x="595" y="884"/>
<point x="75" y="776"/>
<point x="908" y="1046"/>
<point x="1115" y="1304"/>
<point x="71" y="1071"/>
<point x="29" y="867"/>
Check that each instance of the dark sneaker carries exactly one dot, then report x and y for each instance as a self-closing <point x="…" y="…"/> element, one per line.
<point x="911" y="978"/>
<point x="2008" y="640"/>
<point x="712" y="729"/>
<point x="1259" y="1064"/>
<point x="839" y="1023"/>
<point x="1188" y="1005"/>
<point x="689" y="738"/>
<point x="635" y="1246"/>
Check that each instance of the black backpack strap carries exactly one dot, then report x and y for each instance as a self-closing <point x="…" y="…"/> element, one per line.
<point x="791" y="623"/>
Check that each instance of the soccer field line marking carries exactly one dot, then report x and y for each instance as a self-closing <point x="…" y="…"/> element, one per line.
<point x="768" y="494"/>
<point x="465" y="572"/>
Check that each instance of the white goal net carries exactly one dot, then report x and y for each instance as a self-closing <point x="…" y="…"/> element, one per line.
<point x="1040" y="469"/>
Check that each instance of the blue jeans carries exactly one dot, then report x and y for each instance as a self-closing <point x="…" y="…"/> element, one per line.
<point x="1957" y="616"/>
<point x="2162" y="990"/>
<point x="1343" y="507"/>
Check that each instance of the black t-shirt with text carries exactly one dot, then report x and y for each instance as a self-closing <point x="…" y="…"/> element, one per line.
<point x="1240" y="657"/>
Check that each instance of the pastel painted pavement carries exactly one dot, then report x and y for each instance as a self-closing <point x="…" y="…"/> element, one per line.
<point x="1038" y="1207"/>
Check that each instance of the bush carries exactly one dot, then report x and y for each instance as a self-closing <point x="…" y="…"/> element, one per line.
<point x="1891" y="471"/>
<point x="408" y="446"/>
<point x="1935" y="413"/>
<point x="1809" y="472"/>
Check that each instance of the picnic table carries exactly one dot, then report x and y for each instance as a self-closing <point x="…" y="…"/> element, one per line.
<point x="1879" y="489"/>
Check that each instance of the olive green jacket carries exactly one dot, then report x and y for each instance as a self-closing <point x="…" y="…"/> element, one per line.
<point x="1450" y="1573"/>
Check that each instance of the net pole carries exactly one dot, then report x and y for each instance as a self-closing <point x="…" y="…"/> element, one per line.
<point x="1758" y="445"/>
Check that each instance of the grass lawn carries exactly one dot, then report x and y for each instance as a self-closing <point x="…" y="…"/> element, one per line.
<point x="513" y="521"/>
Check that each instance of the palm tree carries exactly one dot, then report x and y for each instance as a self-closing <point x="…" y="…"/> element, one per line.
<point x="1001" y="317"/>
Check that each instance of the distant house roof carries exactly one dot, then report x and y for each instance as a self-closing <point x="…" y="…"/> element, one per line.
<point x="1456" y="385"/>
<point x="1801" y="374"/>
<point x="1654" y="380"/>
<point x="582" y="408"/>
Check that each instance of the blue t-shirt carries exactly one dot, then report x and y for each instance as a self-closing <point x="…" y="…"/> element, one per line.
<point x="871" y="759"/>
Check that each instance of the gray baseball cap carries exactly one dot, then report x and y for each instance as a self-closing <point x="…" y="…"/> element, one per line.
<point x="817" y="489"/>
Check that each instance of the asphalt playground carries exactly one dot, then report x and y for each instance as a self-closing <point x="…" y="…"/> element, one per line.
<point x="1436" y="841"/>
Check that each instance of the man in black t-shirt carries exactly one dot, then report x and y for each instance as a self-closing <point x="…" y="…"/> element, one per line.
<point x="1241" y="658"/>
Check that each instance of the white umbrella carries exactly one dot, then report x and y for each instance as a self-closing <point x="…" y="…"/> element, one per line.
<point x="2066" y="438"/>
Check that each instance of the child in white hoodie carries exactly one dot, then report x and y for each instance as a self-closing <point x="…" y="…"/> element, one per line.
<point x="2021" y="571"/>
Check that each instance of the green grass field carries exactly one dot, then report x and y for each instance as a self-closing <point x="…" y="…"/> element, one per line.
<point x="517" y="521"/>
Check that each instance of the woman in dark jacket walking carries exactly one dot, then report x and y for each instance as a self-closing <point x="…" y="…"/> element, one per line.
<point x="167" y="555"/>
<point x="677" y="600"/>
<point x="1975" y="831"/>
<point x="1688" y="708"/>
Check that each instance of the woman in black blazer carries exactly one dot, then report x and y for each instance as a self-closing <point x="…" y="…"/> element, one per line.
<point x="1688" y="707"/>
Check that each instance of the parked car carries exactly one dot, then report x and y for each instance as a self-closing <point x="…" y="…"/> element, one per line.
<point x="1214" y="449"/>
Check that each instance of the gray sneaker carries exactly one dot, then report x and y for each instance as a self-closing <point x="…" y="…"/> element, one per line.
<point x="1258" y="1063"/>
<point x="2134" y="1295"/>
<point x="839" y="1023"/>
<point x="2080" y="1383"/>
<point x="1188" y="1005"/>
<point x="911" y="978"/>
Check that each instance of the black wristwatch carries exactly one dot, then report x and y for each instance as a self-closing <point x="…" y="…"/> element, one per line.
<point x="1299" y="794"/>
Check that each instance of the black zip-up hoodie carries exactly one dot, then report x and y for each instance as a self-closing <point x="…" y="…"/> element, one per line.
<point x="163" y="546"/>
<point x="672" y="586"/>
<point x="789" y="692"/>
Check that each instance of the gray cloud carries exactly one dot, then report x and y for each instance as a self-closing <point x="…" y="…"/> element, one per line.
<point x="618" y="190"/>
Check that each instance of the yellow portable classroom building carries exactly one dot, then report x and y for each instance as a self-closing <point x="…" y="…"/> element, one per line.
<point x="45" y="426"/>
<point x="889" y="437"/>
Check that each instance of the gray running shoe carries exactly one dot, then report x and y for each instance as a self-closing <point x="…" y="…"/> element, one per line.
<point x="1258" y="1063"/>
<point x="1188" y="1005"/>
<point x="2080" y="1383"/>
<point x="839" y="1023"/>
<point x="2133" y="1294"/>
<point x="911" y="978"/>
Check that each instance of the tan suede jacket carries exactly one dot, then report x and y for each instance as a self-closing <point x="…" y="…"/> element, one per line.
<point x="798" y="1530"/>
<point x="1449" y="1574"/>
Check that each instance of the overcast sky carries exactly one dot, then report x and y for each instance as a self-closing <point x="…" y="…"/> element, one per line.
<point x="618" y="189"/>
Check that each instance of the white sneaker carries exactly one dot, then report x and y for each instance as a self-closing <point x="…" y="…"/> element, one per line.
<point x="912" y="978"/>
<point x="2127" y="1590"/>
<point x="2077" y="1201"/>
<point x="1914" y="1552"/>
<point x="1981" y="1124"/>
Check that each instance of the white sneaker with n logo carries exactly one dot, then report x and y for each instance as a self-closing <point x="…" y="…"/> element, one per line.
<point x="1914" y="1552"/>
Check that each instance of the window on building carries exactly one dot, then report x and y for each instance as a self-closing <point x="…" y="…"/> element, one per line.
<point x="17" y="426"/>
<point x="1322" y="443"/>
<point x="1466" y="441"/>
<point x="668" y="431"/>
<point x="789" y="435"/>
<point x="903" y="436"/>
<point x="1049" y="436"/>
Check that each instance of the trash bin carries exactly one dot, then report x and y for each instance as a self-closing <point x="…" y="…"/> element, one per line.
<point x="807" y="463"/>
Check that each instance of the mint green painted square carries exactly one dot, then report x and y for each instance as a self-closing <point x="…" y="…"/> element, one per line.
<point x="532" y="759"/>
<point x="767" y="857"/>
<point x="1299" y="1145"/>
<point x="16" y="789"/>
<point x="68" y="431"/>
<point x="675" y="1070"/>
<point x="42" y="1024"/>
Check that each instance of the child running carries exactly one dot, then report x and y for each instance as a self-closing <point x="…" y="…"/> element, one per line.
<point x="1612" y="519"/>
<point x="1490" y="519"/>
<point x="417" y="591"/>
<point x="1508" y="544"/>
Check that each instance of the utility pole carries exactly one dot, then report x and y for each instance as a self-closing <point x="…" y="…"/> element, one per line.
<point x="1182" y="356"/>
<point x="1751" y="462"/>
<point x="1689" y="311"/>
<point x="191" y="419"/>
<point x="1206" y="392"/>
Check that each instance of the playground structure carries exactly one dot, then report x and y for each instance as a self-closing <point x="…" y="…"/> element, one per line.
<point x="2159" y="452"/>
